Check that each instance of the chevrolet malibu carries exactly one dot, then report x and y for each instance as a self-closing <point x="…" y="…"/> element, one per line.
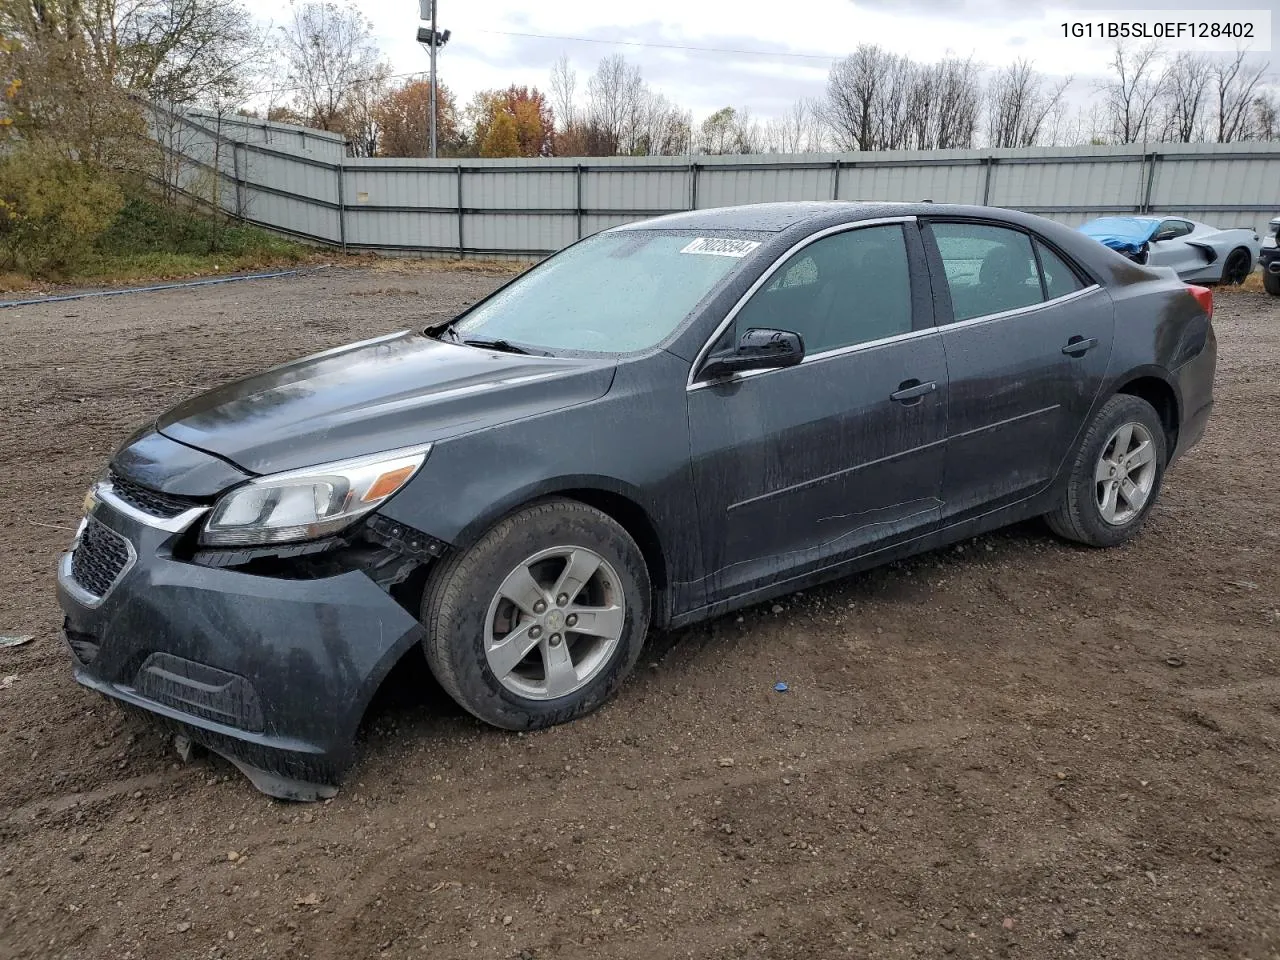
<point x="662" y="423"/>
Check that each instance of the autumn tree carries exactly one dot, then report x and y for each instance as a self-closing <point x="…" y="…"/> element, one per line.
<point x="531" y="117"/>
<point x="403" y="116"/>
<point x="501" y="138"/>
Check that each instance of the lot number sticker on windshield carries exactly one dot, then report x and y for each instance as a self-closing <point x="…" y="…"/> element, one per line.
<point x="721" y="247"/>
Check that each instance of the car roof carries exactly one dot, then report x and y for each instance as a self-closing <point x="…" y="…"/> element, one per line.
<point x="791" y="221"/>
<point x="779" y="216"/>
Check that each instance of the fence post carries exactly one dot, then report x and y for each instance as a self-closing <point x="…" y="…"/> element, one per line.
<point x="1151" y="179"/>
<point x="835" y="180"/>
<point x="577" y="201"/>
<point x="342" y="206"/>
<point x="462" y="250"/>
<point x="990" y="163"/>
<point x="237" y="169"/>
<point x="693" y="186"/>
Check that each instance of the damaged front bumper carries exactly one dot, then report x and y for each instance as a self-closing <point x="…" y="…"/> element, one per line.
<point x="270" y="671"/>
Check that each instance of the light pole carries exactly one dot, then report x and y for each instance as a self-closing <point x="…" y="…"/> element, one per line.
<point x="431" y="39"/>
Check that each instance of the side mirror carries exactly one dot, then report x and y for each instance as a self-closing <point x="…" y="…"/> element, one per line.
<point x="1163" y="235"/>
<point x="757" y="350"/>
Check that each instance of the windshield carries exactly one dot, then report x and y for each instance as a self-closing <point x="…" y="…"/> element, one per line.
<point x="612" y="293"/>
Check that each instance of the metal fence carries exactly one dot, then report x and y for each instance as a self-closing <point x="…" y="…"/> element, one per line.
<point x="296" y="181"/>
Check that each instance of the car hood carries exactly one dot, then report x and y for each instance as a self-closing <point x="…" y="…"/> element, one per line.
<point x="394" y="391"/>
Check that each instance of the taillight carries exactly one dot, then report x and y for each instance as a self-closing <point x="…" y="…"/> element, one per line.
<point x="1204" y="297"/>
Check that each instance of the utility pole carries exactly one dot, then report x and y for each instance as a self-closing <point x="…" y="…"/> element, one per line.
<point x="433" y="79"/>
<point x="432" y="39"/>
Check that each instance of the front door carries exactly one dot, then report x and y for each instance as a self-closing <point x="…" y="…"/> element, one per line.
<point x="797" y="469"/>
<point x="1027" y="344"/>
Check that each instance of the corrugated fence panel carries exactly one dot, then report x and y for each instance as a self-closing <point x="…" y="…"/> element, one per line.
<point x="298" y="181"/>
<point x="501" y="232"/>
<point x="400" y="187"/>
<point x="402" y="229"/>
<point x="617" y="188"/>
<point x="292" y="214"/>
<point x="944" y="183"/>
<point x="519" y="189"/>
<point x="759" y="184"/>
<point x="1058" y="186"/>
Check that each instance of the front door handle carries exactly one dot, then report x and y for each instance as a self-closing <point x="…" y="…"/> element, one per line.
<point x="1079" y="346"/>
<point x="911" y="391"/>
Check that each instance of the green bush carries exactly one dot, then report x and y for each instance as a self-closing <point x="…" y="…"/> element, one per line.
<point x="52" y="209"/>
<point x="146" y="226"/>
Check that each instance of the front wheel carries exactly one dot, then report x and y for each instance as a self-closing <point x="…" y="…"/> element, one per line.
<point x="540" y="621"/>
<point x="1116" y="475"/>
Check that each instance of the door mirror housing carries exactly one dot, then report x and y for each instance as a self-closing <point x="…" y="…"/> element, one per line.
<point x="1166" y="234"/>
<point x="757" y="349"/>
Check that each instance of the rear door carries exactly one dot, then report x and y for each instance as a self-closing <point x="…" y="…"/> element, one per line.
<point x="800" y="468"/>
<point x="1027" y="339"/>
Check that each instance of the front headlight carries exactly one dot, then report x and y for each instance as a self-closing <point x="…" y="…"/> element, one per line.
<point x="309" y="503"/>
<point x="1269" y="240"/>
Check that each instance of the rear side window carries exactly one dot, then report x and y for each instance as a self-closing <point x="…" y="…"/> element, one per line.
<point x="1059" y="279"/>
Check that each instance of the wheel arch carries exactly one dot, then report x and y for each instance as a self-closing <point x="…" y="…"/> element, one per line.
<point x="1157" y="389"/>
<point x="617" y="500"/>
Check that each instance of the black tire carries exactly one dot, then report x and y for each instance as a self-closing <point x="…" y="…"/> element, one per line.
<point x="1236" y="268"/>
<point x="1271" y="283"/>
<point x="1079" y="515"/>
<point x="459" y="592"/>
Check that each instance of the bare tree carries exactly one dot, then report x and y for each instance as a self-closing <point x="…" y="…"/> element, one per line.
<point x="329" y="50"/>
<point x="958" y="98"/>
<point x="1186" y="94"/>
<point x="854" y="88"/>
<point x="799" y="130"/>
<point x="1018" y="105"/>
<point x="613" y="97"/>
<point x="1266" y="114"/>
<point x="1235" y="89"/>
<point x="564" y="86"/>
<point x="1131" y="96"/>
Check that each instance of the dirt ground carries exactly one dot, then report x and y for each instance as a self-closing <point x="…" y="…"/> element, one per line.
<point x="1011" y="748"/>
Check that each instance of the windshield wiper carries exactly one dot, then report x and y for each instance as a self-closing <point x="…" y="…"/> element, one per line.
<point x="505" y="346"/>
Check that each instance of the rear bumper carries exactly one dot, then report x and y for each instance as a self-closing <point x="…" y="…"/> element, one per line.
<point x="274" y="674"/>
<point x="1195" y="387"/>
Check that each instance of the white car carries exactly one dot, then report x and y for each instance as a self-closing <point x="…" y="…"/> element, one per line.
<point x="1198" y="252"/>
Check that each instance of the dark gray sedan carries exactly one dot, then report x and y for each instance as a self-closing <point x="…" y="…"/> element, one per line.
<point x="662" y="423"/>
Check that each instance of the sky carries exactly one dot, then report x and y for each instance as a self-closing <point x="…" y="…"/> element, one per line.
<point x="781" y="51"/>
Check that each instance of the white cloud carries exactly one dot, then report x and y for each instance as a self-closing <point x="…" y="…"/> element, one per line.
<point x="479" y="56"/>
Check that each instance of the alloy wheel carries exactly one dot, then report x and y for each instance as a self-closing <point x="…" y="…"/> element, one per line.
<point x="555" y="622"/>
<point x="1126" y="473"/>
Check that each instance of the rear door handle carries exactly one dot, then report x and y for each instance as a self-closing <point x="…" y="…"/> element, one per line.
<point x="1079" y="346"/>
<point x="911" y="391"/>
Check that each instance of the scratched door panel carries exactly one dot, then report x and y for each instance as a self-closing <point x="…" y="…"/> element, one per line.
<point x="800" y="468"/>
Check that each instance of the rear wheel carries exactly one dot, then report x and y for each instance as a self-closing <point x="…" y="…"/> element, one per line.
<point x="541" y="620"/>
<point x="1237" y="266"/>
<point x="1271" y="283"/>
<point x="1116" y="475"/>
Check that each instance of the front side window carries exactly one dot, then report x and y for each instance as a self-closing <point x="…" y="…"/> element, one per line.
<point x="849" y="288"/>
<point x="612" y="293"/>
